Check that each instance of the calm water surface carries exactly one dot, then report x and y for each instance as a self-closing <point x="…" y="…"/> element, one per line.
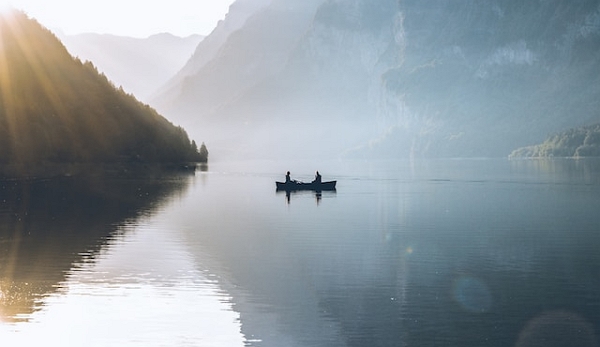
<point x="425" y="253"/>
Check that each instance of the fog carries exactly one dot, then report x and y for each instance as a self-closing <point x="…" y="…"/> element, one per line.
<point x="140" y="66"/>
<point x="357" y="78"/>
<point x="389" y="79"/>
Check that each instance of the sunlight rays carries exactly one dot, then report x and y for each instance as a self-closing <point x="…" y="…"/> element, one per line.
<point x="19" y="104"/>
<point x="15" y="104"/>
<point x="7" y="114"/>
<point x="6" y="97"/>
<point x="58" y="110"/>
<point x="178" y="17"/>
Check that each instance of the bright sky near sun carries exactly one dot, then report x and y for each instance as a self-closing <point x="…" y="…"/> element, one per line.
<point x="136" y="18"/>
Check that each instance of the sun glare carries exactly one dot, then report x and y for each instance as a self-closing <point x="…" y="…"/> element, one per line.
<point x="4" y="6"/>
<point x="178" y="17"/>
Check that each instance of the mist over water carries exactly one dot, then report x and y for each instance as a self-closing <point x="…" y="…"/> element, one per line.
<point x="283" y="140"/>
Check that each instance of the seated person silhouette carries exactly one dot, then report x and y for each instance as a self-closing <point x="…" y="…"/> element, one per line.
<point x="317" y="178"/>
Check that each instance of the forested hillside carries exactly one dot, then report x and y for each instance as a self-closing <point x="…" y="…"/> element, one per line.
<point x="56" y="109"/>
<point x="577" y="143"/>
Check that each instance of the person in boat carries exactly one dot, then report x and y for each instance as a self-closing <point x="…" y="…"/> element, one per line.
<point x="317" y="178"/>
<point x="287" y="178"/>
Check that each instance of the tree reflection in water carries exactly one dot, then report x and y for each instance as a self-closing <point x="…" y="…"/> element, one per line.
<point x="47" y="225"/>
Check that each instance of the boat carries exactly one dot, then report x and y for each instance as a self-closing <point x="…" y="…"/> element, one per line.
<point x="297" y="185"/>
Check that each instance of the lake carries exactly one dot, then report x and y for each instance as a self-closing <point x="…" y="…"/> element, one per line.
<point x="404" y="253"/>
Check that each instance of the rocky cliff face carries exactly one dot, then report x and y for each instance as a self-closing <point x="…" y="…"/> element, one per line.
<point x="479" y="80"/>
<point x="402" y="78"/>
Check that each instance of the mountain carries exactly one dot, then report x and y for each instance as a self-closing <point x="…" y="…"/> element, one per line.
<point x="56" y="109"/>
<point x="206" y="50"/>
<point x="244" y="54"/>
<point x="482" y="79"/>
<point x="391" y="78"/>
<point x="140" y="66"/>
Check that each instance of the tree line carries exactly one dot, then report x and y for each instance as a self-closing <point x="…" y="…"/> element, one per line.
<point x="573" y="143"/>
<point x="56" y="108"/>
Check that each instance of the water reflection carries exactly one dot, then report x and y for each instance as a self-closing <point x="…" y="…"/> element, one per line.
<point x="457" y="253"/>
<point x="317" y="194"/>
<point x="143" y="288"/>
<point x="203" y="167"/>
<point x="565" y="170"/>
<point x="48" y="225"/>
<point x="443" y="253"/>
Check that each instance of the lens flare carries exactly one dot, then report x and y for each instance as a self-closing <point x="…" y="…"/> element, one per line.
<point x="472" y="294"/>
<point x="556" y="329"/>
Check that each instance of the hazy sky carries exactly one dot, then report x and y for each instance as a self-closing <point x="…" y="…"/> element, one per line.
<point x="137" y="18"/>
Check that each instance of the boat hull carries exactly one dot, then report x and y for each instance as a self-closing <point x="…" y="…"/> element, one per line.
<point x="290" y="186"/>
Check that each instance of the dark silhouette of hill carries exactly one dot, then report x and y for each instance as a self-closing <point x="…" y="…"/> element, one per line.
<point x="394" y="79"/>
<point x="56" y="109"/>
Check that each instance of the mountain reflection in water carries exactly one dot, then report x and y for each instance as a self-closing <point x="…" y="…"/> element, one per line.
<point x="47" y="225"/>
<point x="425" y="253"/>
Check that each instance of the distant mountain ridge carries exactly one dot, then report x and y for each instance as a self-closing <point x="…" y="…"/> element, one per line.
<point x="56" y="109"/>
<point x="140" y="66"/>
<point x="396" y="79"/>
<point x="206" y="50"/>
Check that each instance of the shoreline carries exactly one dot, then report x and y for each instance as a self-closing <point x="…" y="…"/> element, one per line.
<point x="12" y="172"/>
